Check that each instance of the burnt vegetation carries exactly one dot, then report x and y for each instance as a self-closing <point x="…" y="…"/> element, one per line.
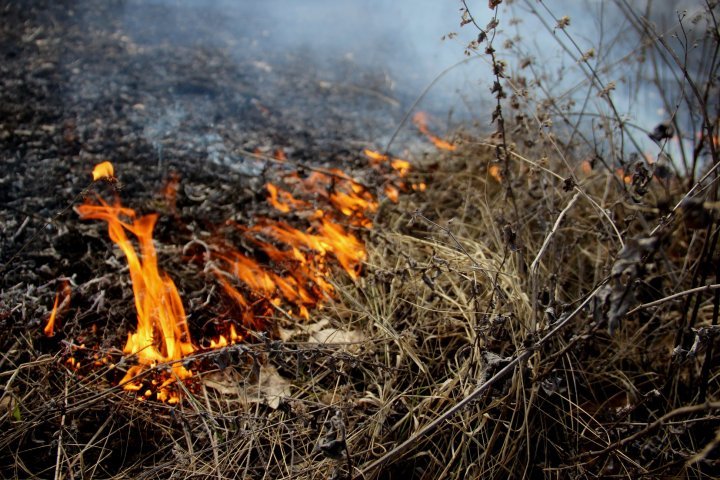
<point x="541" y="302"/>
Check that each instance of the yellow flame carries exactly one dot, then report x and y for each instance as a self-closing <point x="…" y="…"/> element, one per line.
<point x="103" y="170"/>
<point x="162" y="333"/>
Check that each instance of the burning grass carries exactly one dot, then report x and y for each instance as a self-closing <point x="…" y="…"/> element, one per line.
<point x="451" y="295"/>
<point x="521" y="312"/>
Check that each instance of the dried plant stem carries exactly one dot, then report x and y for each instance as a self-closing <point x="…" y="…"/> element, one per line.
<point x="534" y="264"/>
<point x="59" y="454"/>
<point x="691" y="291"/>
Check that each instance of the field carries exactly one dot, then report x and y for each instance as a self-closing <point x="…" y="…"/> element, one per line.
<point x="289" y="273"/>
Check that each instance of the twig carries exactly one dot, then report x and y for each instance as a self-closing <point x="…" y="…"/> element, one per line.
<point x="674" y="296"/>
<point x="534" y="264"/>
<point x="58" y="455"/>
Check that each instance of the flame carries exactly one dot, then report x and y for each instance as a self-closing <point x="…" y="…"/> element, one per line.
<point x="162" y="333"/>
<point x="280" y="155"/>
<point x="494" y="171"/>
<point x="392" y="192"/>
<point x="170" y="190"/>
<point x="103" y="170"/>
<point x="283" y="200"/>
<point x="420" y="119"/>
<point x="295" y="278"/>
<point x="49" y="329"/>
<point x="400" y="168"/>
<point x="586" y="167"/>
<point x="624" y="175"/>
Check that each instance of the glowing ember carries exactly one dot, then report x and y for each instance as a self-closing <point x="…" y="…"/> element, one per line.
<point x="103" y="170"/>
<point x="586" y="167"/>
<point x="64" y="290"/>
<point x="400" y="167"/>
<point x="420" y="119"/>
<point x="280" y="155"/>
<point x="162" y="333"/>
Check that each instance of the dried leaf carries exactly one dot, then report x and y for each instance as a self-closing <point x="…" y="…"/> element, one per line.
<point x="563" y="22"/>
<point x="300" y="329"/>
<point x="617" y="297"/>
<point x="662" y="131"/>
<point x="333" y="335"/>
<point x="269" y="389"/>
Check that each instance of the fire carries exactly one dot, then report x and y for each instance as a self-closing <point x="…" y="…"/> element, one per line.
<point x="283" y="200"/>
<point x="297" y="274"/>
<point x="280" y="268"/>
<point x="400" y="168"/>
<point x="392" y="192"/>
<point x="280" y="155"/>
<point x="624" y="175"/>
<point x="495" y="173"/>
<point x="420" y="119"/>
<point x="162" y="334"/>
<point x="103" y="170"/>
<point x="170" y="190"/>
<point x="64" y="290"/>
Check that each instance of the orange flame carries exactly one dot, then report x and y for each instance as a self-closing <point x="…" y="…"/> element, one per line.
<point x="103" y="170"/>
<point x="170" y="190"/>
<point x="49" y="329"/>
<point x="280" y="155"/>
<point x="420" y="119"/>
<point x="300" y="260"/>
<point x="162" y="333"/>
<point x="494" y="171"/>
<point x="624" y="175"/>
<point x="283" y="200"/>
<point x="392" y="193"/>
<point x="400" y="167"/>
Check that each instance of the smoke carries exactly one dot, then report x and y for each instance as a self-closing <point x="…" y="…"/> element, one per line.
<point x="400" y="40"/>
